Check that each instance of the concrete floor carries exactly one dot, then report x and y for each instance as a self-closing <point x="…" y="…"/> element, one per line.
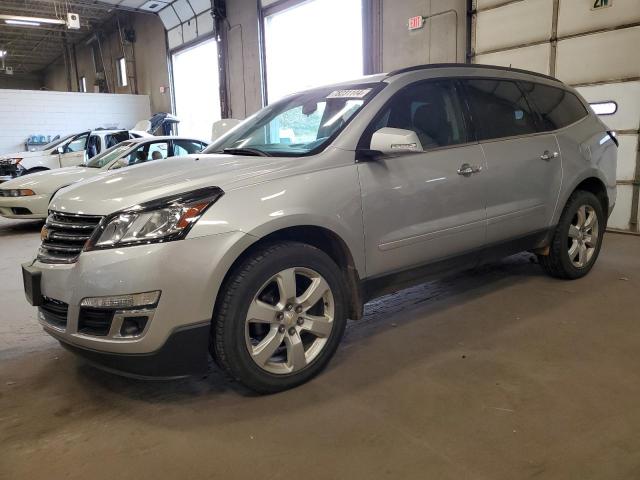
<point x="499" y="373"/>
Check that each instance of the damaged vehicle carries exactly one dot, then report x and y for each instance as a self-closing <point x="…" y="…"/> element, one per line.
<point x="259" y="250"/>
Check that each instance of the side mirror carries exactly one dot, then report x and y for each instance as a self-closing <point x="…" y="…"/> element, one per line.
<point x="60" y="149"/>
<point x="395" y="140"/>
<point x="223" y="126"/>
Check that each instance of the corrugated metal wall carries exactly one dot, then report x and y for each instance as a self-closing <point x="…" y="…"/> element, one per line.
<point x="598" y="51"/>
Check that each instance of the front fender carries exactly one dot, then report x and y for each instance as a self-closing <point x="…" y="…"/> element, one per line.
<point x="329" y="199"/>
<point x="42" y="161"/>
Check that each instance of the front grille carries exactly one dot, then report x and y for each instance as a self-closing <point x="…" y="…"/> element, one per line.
<point x="95" y="321"/>
<point x="64" y="236"/>
<point x="54" y="312"/>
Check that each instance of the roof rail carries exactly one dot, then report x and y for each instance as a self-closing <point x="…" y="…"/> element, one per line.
<point x="468" y="65"/>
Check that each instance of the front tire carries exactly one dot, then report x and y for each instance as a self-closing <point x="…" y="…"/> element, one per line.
<point x="279" y="317"/>
<point x="577" y="239"/>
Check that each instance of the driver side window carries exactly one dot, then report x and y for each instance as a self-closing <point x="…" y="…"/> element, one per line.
<point x="430" y="109"/>
<point x="78" y="144"/>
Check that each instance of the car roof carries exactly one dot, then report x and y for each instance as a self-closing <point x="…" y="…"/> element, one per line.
<point x="467" y="68"/>
<point x="446" y="69"/>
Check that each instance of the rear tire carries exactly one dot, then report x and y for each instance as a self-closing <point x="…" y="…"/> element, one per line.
<point x="577" y="239"/>
<point x="279" y="317"/>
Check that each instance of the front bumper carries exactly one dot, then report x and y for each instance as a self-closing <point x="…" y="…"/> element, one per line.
<point x="184" y="353"/>
<point x="36" y="205"/>
<point x="174" y="343"/>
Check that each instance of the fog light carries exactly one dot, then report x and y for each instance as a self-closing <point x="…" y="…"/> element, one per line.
<point x="133" y="326"/>
<point x="136" y="300"/>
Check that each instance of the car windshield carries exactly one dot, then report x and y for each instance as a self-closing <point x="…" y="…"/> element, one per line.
<point x="56" y="142"/>
<point x="302" y="124"/>
<point x="106" y="157"/>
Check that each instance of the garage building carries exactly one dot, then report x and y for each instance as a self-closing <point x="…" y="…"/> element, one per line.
<point x="497" y="371"/>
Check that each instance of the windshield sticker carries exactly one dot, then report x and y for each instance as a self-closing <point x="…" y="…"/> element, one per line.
<point x="359" y="93"/>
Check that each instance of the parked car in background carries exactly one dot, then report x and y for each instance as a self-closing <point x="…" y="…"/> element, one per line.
<point x="28" y="197"/>
<point x="261" y="250"/>
<point x="68" y="151"/>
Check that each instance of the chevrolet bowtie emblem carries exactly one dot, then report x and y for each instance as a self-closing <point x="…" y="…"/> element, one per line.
<point x="44" y="234"/>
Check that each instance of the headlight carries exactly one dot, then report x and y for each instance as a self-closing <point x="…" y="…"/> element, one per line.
<point x="161" y="220"/>
<point x="23" y="192"/>
<point x="11" y="161"/>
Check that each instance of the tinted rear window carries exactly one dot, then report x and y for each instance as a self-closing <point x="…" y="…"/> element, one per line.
<point x="499" y="109"/>
<point x="557" y="107"/>
<point x="115" y="138"/>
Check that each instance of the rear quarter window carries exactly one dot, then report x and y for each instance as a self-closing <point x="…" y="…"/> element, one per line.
<point x="557" y="107"/>
<point x="499" y="109"/>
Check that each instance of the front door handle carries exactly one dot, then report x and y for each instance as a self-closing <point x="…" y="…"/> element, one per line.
<point x="467" y="170"/>
<point x="547" y="155"/>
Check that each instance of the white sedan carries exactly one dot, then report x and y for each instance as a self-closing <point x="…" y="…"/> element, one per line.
<point x="28" y="197"/>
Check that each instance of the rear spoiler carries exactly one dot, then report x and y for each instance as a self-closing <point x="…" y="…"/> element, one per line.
<point x="613" y="137"/>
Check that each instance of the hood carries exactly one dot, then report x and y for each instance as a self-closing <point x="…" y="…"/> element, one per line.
<point x="37" y="153"/>
<point x="51" y="180"/>
<point x="141" y="183"/>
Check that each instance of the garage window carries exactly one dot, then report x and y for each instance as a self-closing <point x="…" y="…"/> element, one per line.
<point x="197" y="88"/>
<point x="313" y="43"/>
<point x="499" y="109"/>
<point x="557" y="107"/>
<point x="604" y="108"/>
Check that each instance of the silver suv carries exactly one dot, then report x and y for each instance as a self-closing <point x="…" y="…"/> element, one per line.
<point x="260" y="249"/>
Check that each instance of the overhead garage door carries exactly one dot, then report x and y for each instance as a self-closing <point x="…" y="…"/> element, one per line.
<point x="596" y="50"/>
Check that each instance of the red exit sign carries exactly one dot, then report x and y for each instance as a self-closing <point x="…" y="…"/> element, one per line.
<point x="415" y="23"/>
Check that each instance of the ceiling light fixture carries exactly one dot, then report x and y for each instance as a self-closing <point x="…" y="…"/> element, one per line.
<point x="23" y="23"/>
<point x="30" y="21"/>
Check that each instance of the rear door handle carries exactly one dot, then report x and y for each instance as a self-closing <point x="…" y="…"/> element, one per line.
<point x="547" y="155"/>
<point x="467" y="170"/>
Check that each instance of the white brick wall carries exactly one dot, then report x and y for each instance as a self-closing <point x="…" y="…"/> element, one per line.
<point x="30" y="112"/>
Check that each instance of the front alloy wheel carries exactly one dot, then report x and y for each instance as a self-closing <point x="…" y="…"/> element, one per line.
<point x="280" y="316"/>
<point x="289" y="320"/>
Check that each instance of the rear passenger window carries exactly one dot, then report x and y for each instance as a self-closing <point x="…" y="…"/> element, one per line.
<point x="431" y="109"/>
<point x="186" y="147"/>
<point x="499" y="109"/>
<point x="557" y="107"/>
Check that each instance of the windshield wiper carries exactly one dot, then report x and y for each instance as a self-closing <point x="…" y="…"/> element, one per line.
<point x="246" y="151"/>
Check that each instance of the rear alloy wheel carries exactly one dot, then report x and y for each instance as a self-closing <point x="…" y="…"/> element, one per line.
<point x="583" y="236"/>
<point x="577" y="238"/>
<point x="279" y="317"/>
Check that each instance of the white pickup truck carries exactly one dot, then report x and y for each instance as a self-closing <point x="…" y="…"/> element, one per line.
<point x="68" y="151"/>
